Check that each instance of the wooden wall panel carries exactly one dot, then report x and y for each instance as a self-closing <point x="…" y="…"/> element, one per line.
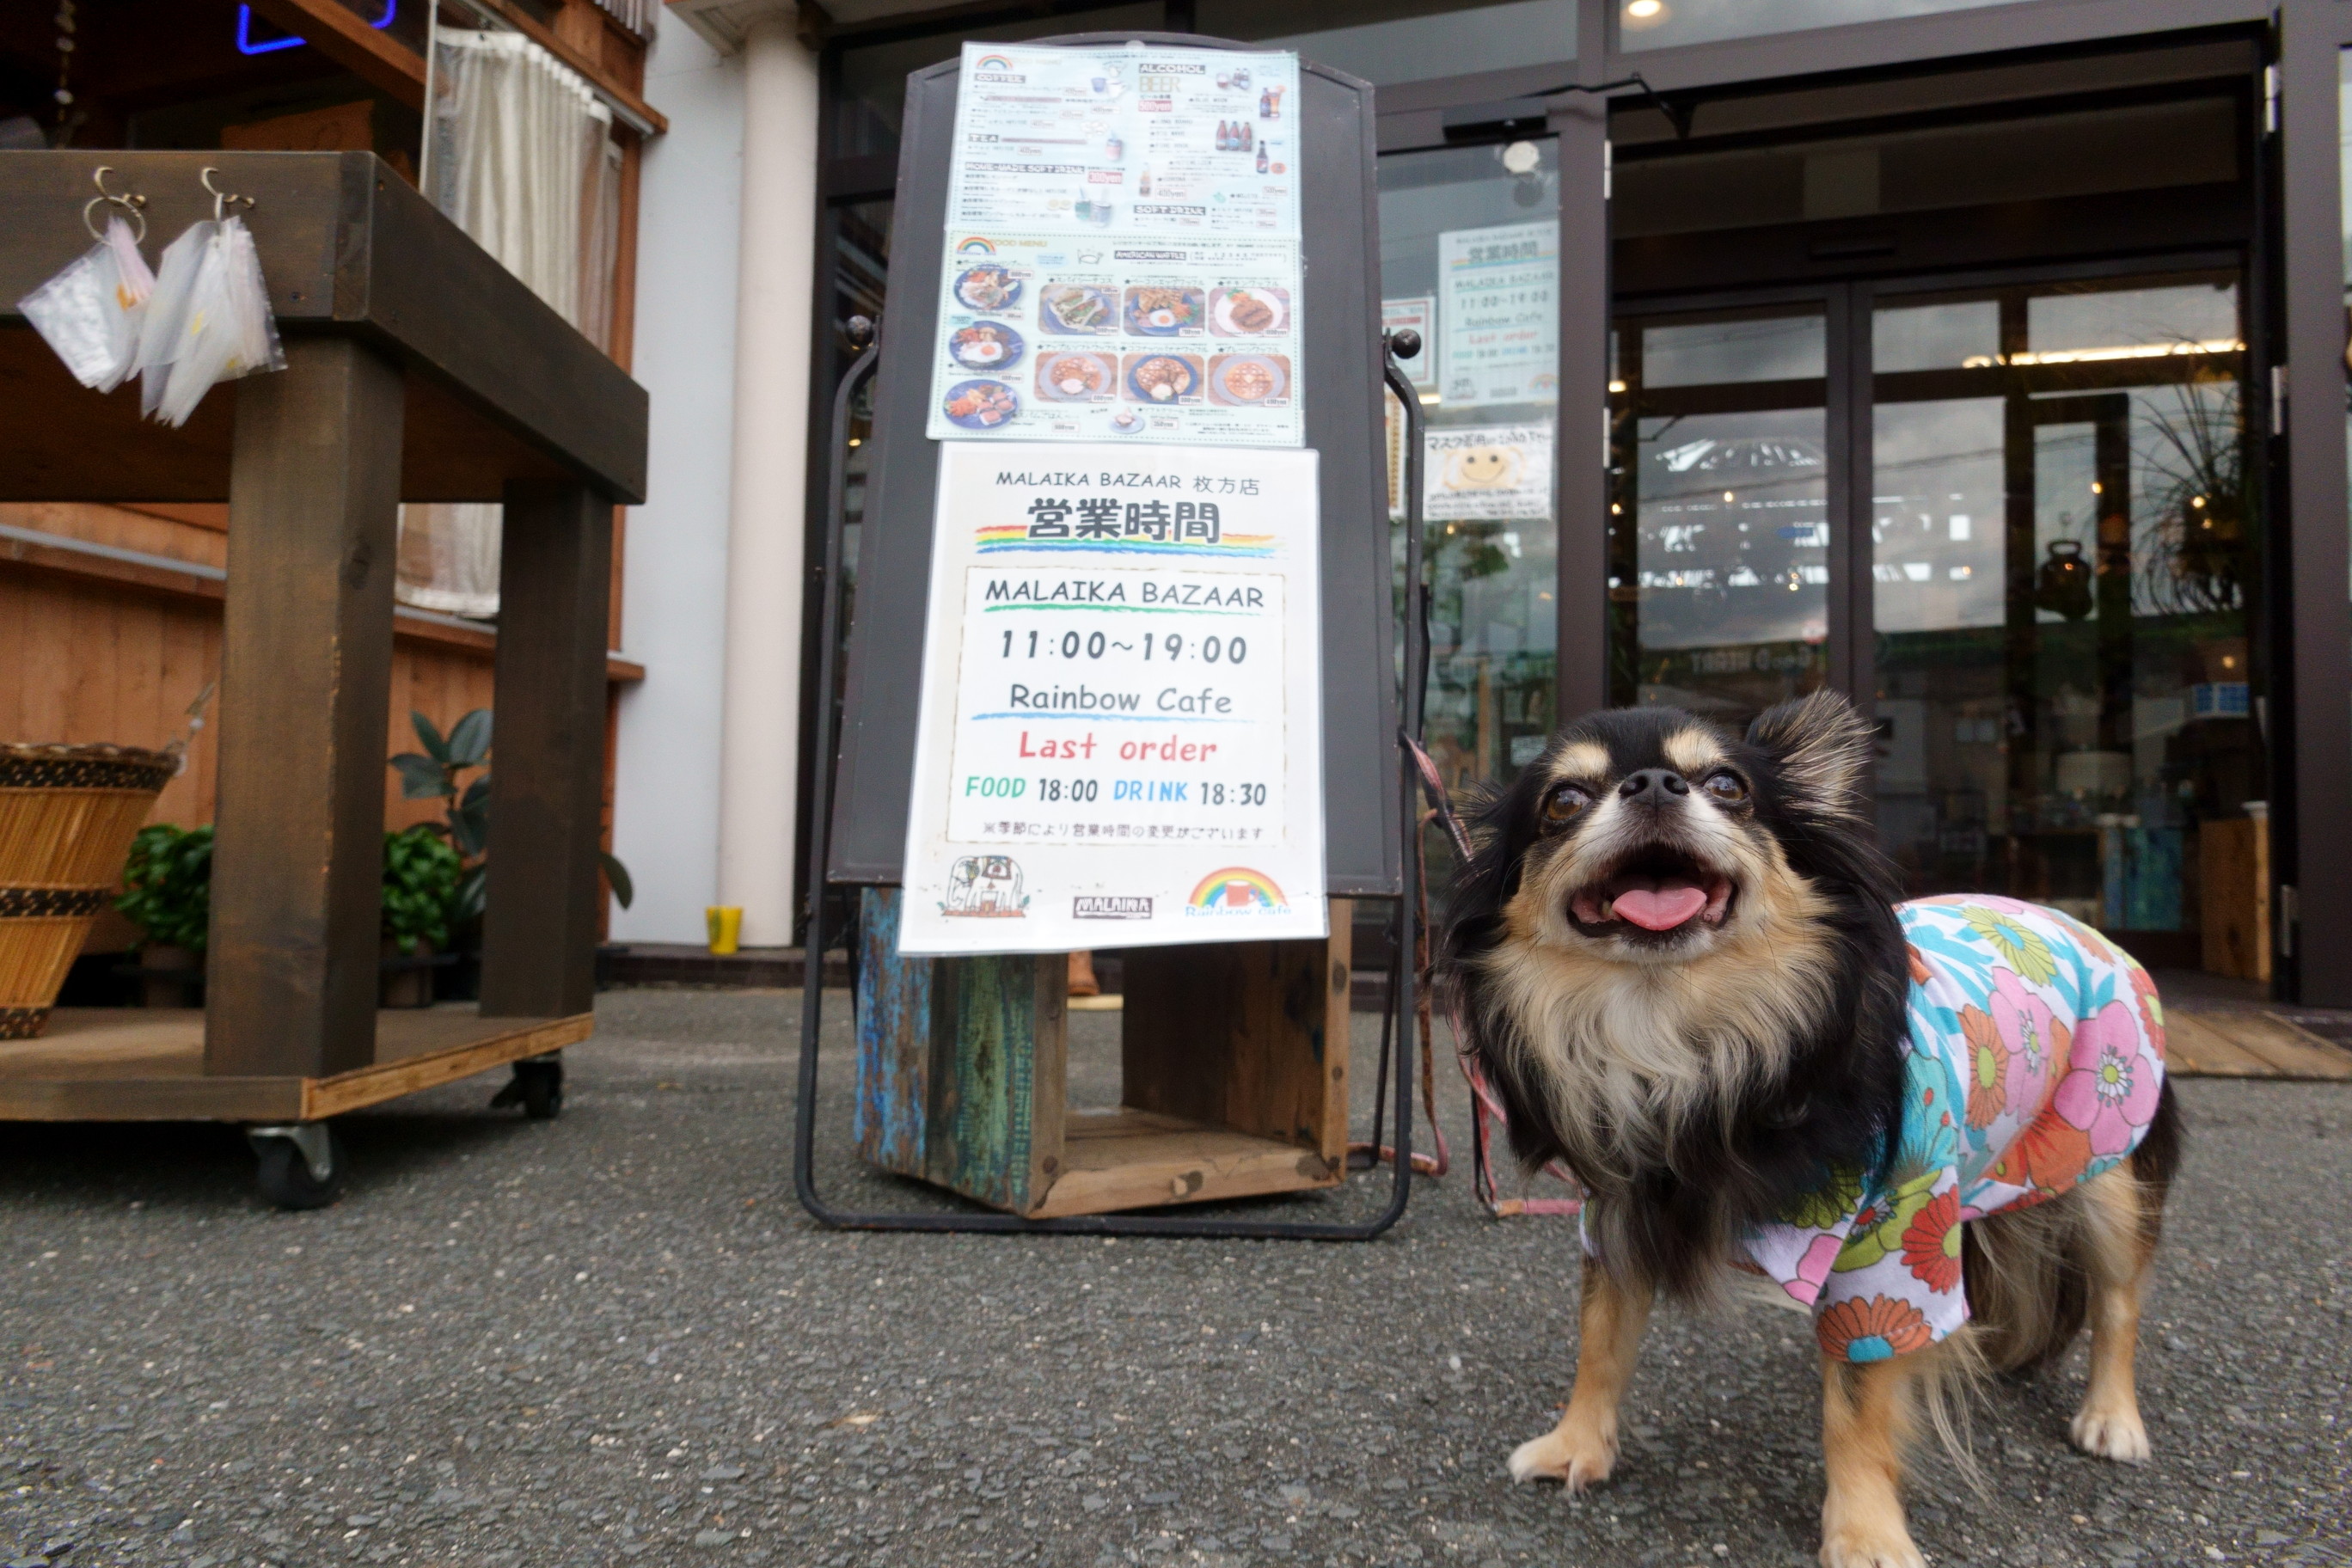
<point x="80" y="664"/>
<point x="87" y="662"/>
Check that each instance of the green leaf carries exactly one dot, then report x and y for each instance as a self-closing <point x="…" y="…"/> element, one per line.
<point x="618" y="875"/>
<point x="420" y="778"/>
<point x="168" y="881"/>
<point x="421" y="877"/>
<point x="428" y="737"/>
<point x="469" y="739"/>
<point x="470" y="829"/>
<point x="470" y="901"/>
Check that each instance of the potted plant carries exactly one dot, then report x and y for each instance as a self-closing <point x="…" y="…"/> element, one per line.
<point x="439" y="773"/>
<point x="169" y="875"/>
<point x="421" y="874"/>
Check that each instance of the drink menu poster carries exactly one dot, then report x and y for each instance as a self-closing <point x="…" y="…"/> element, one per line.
<point x="1122" y="256"/>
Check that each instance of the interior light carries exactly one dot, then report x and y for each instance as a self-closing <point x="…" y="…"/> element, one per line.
<point x="1616" y="386"/>
<point x="1644" y="10"/>
<point x="2094" y="356"/>
<point x="1726" y="494"/>
<point x="2096" y="488"/>
<point x="2196" y="500"/>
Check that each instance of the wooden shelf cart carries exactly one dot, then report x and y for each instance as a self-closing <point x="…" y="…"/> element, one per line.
<point x="417" y="368"/>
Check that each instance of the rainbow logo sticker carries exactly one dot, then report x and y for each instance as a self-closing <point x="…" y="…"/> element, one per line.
<point x="975" y="245"/>
<point x="992" y="63"/>
<point x="1234" y="890"/>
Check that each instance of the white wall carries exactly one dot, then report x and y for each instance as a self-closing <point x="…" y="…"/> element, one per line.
<point x="665" y="793"/>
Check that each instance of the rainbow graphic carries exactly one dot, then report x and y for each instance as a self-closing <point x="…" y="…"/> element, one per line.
<point x="1234" y="890"/>
<point x="975" y="245"/>
<point x="1015" y="536"/>
<point x="992" y="63"/>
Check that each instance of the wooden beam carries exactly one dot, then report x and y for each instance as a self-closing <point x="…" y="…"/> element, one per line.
<point x="306" y="678"/>
<point x="159" y="577"/>
<point x="344" y="38"/>
<point x="539" y="934"/>
<point x="501" y="387"/>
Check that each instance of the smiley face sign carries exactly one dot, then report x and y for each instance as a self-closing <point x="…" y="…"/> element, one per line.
<point x="1484" y="469"/>
<point x="1488" y="473"/>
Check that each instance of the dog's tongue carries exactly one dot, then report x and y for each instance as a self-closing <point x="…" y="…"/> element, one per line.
<point x="1661" y="908"/>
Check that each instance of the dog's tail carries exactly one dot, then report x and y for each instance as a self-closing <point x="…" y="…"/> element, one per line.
<point x="2027" y="1270"/>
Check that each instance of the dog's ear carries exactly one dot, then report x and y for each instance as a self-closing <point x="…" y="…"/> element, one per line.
<point x="1824" y="749"/>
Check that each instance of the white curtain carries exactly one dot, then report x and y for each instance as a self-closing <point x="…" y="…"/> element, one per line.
<point x="522" y="159"/>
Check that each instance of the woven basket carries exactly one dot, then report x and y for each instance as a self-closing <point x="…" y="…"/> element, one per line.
<point x="67" y="814"/>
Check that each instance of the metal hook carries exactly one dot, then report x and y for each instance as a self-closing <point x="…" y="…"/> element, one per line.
<point x="131" y="204"/>
<point x="222" y="200"/>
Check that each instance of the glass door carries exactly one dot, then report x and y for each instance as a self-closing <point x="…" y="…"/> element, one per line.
<point x="1470" y="259"/>
<point x="1720" y="519"/>
<point x="2062" y="572"/>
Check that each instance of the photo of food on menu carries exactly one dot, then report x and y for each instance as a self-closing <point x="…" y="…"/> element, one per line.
<point x="1039" y="337"/>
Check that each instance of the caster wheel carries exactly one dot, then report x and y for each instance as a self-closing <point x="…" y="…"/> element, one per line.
<point x="288" y="1165"/>
<point x="538" y="1088"/>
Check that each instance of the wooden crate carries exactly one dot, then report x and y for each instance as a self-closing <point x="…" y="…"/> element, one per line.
<point x="2234" y="864"/>
<point x="1233" y="1061"/>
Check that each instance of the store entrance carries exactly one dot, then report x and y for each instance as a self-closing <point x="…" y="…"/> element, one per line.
<point x="2017" y="521"/>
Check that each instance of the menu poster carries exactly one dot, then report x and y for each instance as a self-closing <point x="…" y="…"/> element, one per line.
<point x="1497" y="291"/>
<point x="1062" y="338"/>
<point x="1122" y="248"/>
<point x="1487" y="472"/>
<point x="1417" y="313"/>
<point x="1131" y="139"/>
<point x="1121" y="731"/>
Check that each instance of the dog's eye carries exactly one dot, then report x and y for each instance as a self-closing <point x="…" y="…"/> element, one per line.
<point x="1728" y="788"/>
<point x="1564" y="804"/>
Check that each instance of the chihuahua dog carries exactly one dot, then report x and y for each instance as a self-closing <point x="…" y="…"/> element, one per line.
<point x="1679" y="958"/>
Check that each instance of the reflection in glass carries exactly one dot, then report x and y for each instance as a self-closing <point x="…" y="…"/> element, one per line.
<point x="1467" y="246"/>
<point x="1391" y="41"/>
<point x="1719" y="519"/>
<point x="2062" y="565"/>
<point x="1659" y="24"/>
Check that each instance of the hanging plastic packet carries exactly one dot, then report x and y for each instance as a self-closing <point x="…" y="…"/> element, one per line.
<point x="90" y="313"/>
<point x="167" y="310"/>
<point x="226" y="329"/>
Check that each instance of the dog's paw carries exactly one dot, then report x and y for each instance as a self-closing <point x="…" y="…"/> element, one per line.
<point x="1871" y="1548"/>
<point x="2111" y="1434"/>
<point x="1578" y="1461"/>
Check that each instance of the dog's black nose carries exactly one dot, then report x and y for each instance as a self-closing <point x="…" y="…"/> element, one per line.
<point x="1652" y="786"/>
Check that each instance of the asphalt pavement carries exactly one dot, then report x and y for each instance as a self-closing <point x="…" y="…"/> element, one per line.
<point x="615" y="1339"/>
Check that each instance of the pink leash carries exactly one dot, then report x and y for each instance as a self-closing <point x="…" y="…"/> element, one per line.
<point x="1484" y="1107"/>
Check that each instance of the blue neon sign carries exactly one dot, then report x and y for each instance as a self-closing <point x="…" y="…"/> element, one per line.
<point x="247" y="45"/>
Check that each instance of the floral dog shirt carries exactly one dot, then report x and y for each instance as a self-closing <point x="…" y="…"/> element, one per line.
<point x="2034" y="1062"/>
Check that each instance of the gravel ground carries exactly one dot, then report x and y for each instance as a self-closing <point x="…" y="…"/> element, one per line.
<point x="615" y="1339"/>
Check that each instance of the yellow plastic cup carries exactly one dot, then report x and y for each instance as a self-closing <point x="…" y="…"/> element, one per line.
<point x="726" y="924"/>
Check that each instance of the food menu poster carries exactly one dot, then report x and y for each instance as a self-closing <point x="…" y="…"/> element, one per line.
<point x="1122" y="257"/>
<point x="1120" y="738"/>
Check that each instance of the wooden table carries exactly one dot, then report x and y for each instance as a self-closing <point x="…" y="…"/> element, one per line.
<point x="417" y="368"/>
